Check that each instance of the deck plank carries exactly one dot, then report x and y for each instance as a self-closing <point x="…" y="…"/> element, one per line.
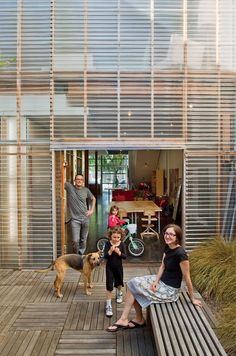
<point x="36" y="316"/>
<point x="86" y="343"/>
<point x="39" y="342"/>
<point x="12" y="313"/>
<point x="34" y="322"/>
<point x="50" y="344"/>
<point x="27" y="344"/>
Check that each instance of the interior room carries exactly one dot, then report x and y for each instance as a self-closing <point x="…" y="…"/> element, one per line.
<point x="123" y="177"/>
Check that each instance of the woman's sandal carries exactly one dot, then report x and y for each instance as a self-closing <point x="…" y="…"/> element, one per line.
<point x="117" y="327"/>
<point x="136" y="325"/>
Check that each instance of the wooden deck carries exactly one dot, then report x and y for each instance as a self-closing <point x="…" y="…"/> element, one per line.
<point x="33" y="322"/>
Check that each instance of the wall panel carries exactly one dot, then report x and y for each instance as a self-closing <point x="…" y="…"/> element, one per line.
<point x="114" y="74"/>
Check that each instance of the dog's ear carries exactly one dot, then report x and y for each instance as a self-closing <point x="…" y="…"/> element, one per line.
<point x="100" y="252"/>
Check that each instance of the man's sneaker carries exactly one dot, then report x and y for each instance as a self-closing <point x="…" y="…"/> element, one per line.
<point x="109" y="312"/>
<point x="119" y="297"/>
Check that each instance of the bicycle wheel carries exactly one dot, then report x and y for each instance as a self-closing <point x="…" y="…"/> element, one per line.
<point x="101" y="243"/>
<point x="136" y="247"/>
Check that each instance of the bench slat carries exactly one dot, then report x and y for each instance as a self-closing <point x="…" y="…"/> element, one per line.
<point x="157" y="331"/>
<point x="170" y="322"/>
<point x="182" y="329"/>
<point x="165" y="333"/>
<point x="189" y="329"/>
<point x="211" y="338"/>
<point x="199" y="331"/>
<point x="202" y="327"/>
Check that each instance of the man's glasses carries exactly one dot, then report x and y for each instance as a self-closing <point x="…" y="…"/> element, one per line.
<point x="169" y="234"/>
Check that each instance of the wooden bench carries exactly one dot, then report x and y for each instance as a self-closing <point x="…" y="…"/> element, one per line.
<point x="182" y="329"/>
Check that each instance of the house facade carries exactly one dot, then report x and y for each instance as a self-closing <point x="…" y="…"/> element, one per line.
<point x="115" y="75"/>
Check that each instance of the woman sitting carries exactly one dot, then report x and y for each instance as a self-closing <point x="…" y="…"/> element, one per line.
<point x="161" y="288"/>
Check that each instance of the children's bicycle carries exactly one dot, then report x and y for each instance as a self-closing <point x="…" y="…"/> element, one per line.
<point x="135" y="245"/>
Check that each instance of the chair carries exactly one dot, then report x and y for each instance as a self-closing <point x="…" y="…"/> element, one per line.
<point x="123" y="214"/>
<point x="149" y="218"/>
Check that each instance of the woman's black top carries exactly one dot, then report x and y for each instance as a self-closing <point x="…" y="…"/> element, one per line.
<point x="172" y="275"/>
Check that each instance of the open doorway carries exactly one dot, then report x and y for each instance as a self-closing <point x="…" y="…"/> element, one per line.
<point x="108" y="170"/>
<point x="135" y="174"/>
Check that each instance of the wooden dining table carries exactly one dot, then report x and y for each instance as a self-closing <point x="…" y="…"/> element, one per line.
<point x="138" y="206"/>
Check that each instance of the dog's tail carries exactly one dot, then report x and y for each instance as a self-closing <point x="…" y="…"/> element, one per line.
<point x="45" y="270"/>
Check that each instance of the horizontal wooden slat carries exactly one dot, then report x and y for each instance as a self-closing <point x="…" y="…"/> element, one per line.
<point x="113" y="74"/>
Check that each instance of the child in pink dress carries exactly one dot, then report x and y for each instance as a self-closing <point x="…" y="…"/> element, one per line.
<point x="114" y="218"/>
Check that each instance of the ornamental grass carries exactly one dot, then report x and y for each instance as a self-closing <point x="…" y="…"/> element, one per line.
<point x="226" y="330"/>
<point x="213" y="272"/>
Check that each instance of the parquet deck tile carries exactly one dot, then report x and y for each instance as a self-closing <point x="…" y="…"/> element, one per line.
<point x="34" y="322"/>
<point x="8" y="316"/>
<point x="135" y="272"/>
<point x="86" y="343"/>
<point x="41" y="316"/>
<point x="30" y="343"/>
<point x="70" y="276"/>
<point x="5" y="274"/>
<point x="11" y="295"/>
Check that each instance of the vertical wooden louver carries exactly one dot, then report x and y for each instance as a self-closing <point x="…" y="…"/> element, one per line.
<point x="114" y="73"/>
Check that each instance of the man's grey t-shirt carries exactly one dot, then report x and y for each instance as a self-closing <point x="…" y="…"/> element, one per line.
<point x="77" y="201"/>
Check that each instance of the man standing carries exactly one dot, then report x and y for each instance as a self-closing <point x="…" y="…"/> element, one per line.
<point x="79" y="198"/>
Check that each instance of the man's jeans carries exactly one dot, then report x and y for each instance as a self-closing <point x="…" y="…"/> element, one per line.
<point x="79" y="235"/>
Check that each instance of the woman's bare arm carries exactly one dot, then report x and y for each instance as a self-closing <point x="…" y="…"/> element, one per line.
<point x="184" y="265"/>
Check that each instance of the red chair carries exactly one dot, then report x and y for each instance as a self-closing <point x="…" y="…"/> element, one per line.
<point x="120" y="197"/>
<point x="115" y="192"/>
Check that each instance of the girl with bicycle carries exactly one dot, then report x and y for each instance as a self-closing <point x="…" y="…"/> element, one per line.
<point x="114" y="253"/>
<point x="135" y="245"/>
<point x="114" y="218"/>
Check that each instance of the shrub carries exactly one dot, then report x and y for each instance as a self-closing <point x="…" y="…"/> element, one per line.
<point x="213" y="266"/>
<point x="213" y="272"/>
<point x="227" y="329"/>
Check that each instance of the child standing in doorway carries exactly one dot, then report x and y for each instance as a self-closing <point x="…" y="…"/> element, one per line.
<point x="114" y="253"/>
<point x="114" y="217"/>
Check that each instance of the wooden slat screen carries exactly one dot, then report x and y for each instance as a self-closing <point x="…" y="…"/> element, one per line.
<point x="210" y="209"/>
<point x="26" y="207"/>
<point x="115" y="74"/>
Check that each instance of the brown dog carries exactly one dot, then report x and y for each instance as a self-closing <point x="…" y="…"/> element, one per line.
<point x="85" y="264"/>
